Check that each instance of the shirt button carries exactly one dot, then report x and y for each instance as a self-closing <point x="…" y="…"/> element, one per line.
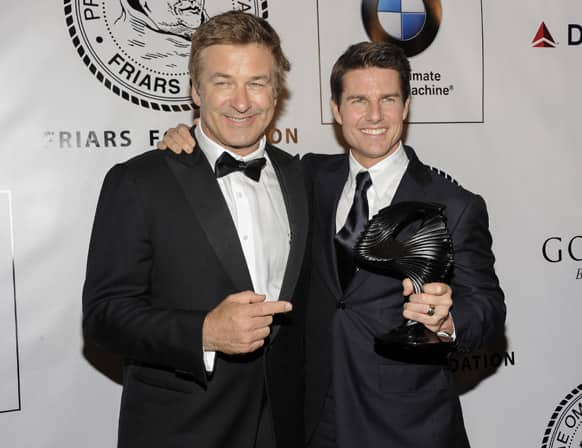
<point x="341" y="305"/>
<point x="245" y="237"/>
<point x="239" y="195"/>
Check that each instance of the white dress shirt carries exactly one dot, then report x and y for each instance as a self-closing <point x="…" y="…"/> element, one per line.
<point x="260" y="217"/>
<point x="386" y="176"/>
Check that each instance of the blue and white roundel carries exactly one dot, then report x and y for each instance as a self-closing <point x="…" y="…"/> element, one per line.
<point x="402" y="19"/>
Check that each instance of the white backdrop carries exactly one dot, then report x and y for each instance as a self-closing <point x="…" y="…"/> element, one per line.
<point x="509" y="130"/>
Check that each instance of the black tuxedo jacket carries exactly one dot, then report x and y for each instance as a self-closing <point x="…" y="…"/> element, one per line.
<point x="379" y="400"/>
<point x="164" y="251"/>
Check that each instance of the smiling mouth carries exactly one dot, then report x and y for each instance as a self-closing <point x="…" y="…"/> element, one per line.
<point x="378" y="131"/>
<point x="239" y="120"/>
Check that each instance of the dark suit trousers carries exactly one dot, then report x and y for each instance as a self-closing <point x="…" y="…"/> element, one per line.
<point x="325" y="433"/>
<point x="265" y="431"/>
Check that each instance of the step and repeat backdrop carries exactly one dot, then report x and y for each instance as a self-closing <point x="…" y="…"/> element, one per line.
<point x="496" y="98"/>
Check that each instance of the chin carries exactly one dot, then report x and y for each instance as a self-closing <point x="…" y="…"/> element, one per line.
<point x="240" y="144"/>
<point x="243" y="142"/>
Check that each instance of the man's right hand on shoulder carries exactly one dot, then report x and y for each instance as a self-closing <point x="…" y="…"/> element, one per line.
<point x="178" y="139"/>
<point x="240" y="323"/>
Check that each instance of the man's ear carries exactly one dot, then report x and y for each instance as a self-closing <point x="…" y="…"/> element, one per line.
<point x="195" y="95"/>
<point x="336" y="113"/>
<point x="406" y="107"/>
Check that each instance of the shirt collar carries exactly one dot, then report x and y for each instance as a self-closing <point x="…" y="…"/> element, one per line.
<point x="213" y="150"/>
<point x="381" y="173"/>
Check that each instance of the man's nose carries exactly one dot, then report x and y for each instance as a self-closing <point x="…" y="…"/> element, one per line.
<point x="240" y="100"/>
<point x="374" y="112"/>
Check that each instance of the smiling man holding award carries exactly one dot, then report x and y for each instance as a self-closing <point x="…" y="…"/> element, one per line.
<point x="358" y="395"/>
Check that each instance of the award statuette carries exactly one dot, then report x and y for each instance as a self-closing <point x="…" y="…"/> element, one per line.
<point x="408" y="239"/>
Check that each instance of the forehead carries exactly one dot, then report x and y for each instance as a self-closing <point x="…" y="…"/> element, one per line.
<point x="252" y="59"/>
<point x="371" y="80"/>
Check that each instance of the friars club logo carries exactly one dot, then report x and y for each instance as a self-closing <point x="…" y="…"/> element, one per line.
<point x="139" y="49"/>
<point x="411" y="24"/>
<point x="565" y="426"/>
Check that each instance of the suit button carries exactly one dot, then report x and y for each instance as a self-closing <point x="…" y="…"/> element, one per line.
<point x="341" y="305"/>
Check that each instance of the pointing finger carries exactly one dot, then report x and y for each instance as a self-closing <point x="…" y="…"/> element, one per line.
<point x="246" y="297"/>
<point x="270" y="308"/>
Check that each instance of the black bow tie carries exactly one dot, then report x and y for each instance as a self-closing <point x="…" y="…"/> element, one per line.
<point x="227" y="164"/>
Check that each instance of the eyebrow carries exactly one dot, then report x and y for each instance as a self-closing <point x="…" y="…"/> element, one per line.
<point x="220" y="75"/>
<point x="263" y="78"/>
<point x="355" y="97"/>
<point x="254" y="78"/>
<point x="363" y="96"/>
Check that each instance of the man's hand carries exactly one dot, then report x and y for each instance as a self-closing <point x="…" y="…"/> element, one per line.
<point x="431" y="307"/>
<point x="240" y="323"/>
<point x="178" y="139"/>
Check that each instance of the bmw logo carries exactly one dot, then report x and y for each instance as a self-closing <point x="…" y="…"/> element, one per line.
<point x="411" y="24"/>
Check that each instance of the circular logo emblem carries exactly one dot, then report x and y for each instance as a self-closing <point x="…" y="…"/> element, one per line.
<point x="410" y="24"/>
<point x="139" y="49"/>
<point x="565" y="426"/>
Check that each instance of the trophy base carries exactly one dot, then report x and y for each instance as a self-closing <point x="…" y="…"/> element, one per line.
<point x="411" y="334"/>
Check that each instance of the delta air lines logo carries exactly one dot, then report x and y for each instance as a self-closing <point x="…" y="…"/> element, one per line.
<point x="543" y="38"/>
<point x="411" y="24"/>
<point x="139" y="49"/>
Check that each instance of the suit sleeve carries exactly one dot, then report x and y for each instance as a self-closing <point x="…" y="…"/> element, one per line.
<point x="478" y="302"/>
<point x="118" y="314"/>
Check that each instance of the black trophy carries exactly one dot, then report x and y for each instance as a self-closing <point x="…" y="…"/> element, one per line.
<point x="408" y="239"/>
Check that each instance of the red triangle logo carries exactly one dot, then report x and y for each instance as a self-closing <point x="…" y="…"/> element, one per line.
<point x="543" y="38"/>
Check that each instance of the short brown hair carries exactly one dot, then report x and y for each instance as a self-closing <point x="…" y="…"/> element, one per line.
<point x="238" y="28"/>
<point x="366" y="55"/>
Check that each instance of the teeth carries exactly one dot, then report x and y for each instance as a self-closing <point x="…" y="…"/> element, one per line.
<point x="241" y="119"/>
<point x="374" y="131"/>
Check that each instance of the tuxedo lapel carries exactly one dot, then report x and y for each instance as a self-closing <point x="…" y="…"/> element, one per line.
<point x="415" y="180"/>
<point x="202" y="192"/>
<point x="293" y="188"/>
<point x="328" y="187"/>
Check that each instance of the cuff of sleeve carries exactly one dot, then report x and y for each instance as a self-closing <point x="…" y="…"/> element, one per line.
<point x="209" y="360"/>
<point x="445" y="335"/>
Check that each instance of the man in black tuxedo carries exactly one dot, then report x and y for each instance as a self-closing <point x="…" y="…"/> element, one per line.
<point x="194" y="263"/>
<point x="357" y="394"/>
